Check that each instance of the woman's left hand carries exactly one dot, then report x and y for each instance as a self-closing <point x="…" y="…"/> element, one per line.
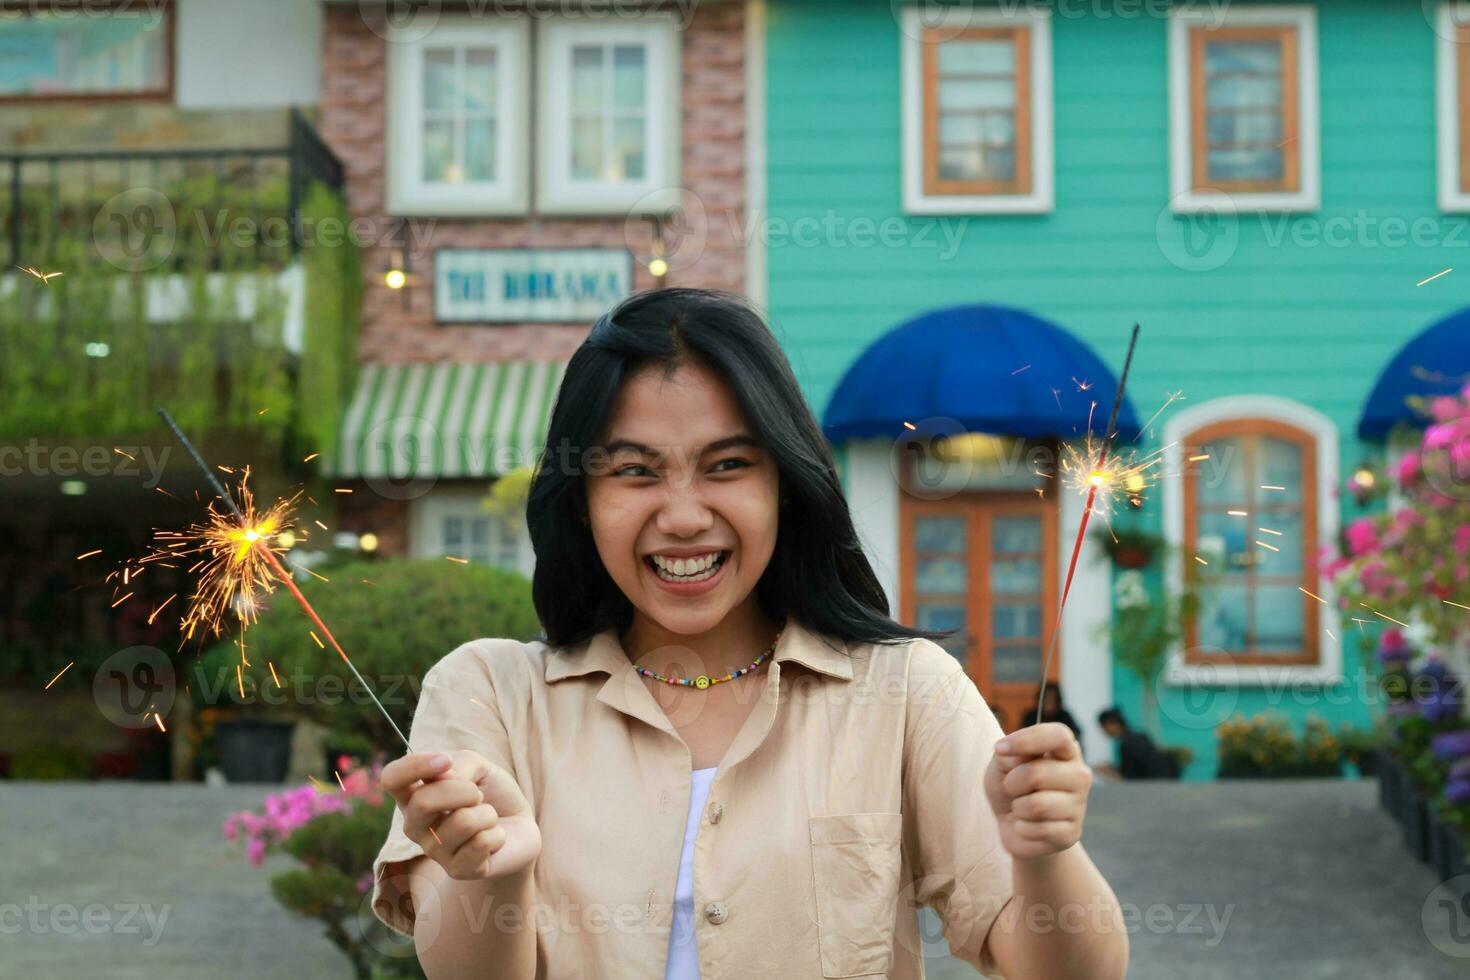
<point x="1037" y="784"/>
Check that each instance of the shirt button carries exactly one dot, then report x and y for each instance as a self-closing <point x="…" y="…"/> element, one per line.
<point x="715" y="810"/>
<point x="716" y="912"/>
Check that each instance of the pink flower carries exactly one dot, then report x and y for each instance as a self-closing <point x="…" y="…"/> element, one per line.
<point x="1445" y="408"/>
<point x="1409" y="469"/>
<point x="1438" y="436"/>
<point x="365" y="883"/>
<point x="1362" y="536"/>
<point x="257" y="851"/>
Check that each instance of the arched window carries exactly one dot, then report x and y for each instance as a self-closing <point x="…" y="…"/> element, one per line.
<point x="1248" y="507"/>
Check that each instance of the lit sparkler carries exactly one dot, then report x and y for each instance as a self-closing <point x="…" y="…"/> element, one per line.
<point x="1097" y="477"/>
<point x="242" y="562"/>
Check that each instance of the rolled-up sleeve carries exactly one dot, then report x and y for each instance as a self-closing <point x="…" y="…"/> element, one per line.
<point x="961" y="870"/>
<point x="456" y="710"/>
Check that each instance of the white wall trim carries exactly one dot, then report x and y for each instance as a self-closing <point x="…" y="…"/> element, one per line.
<point x="1184" y="199"/>
<point x="873" y="500"/>
<point x="1447" y="106"/>
<point x="757" y="283"/>
<point x="1086" y="652"/>
<point x="1325" y="433"/>
<point x="1041" y="198"/>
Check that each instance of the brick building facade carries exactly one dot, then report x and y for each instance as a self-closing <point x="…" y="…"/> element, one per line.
<point x="401" y="330"/>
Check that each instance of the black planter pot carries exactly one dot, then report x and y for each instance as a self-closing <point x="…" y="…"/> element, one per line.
<point x="1446" y="856"/>
<point x="1416" y="826"/>
<point x="1390" y="785"/>
<point x="1368" y="764"/>
<point x="253" y="750"/>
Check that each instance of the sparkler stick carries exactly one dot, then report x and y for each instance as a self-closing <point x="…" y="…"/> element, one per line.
<point x="280" y="571"/>
<point x="1102" y="459"/>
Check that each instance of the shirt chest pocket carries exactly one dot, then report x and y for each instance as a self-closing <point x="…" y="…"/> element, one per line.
<point x="855" y="864"/>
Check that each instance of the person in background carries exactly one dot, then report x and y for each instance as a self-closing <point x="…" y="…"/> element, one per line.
<point x="1138" y="757"/>
<point x="1051" y="710"/>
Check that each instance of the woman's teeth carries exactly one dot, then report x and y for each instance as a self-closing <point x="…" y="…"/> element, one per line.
<point x="688" y="570"/>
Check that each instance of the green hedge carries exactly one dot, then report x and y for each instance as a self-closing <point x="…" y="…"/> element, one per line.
<point x="394" y="630"/>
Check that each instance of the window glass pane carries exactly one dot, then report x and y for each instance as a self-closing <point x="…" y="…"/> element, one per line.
<point x="1018" y="663"/>
<point x="1279" y="613"/>
<point x="1015" y="577"/>
<point x="1242" y="91"/>
<point x="1015" y="534"/>
<point x="480" y="530"/>
<point x="940" y="575"/>
<point x="1280" y="464"/>
<point x="629" y="76"/>
<point x="940" y="534"/>
<point x="977" y="57"/>
<point x="1222" y="479"/>
<point x="1222" y="617"/>
<point x="587" y="148"/>
<point x="453" y="532"/>
<point x="1246" y="57"/>
<point x="439" y="151"/>
<point x="1266" y="164"/>
<point x="1224" y="542"/>
<point x="629" y="152"/>
<point x="479" y="78"/>
<point x="990" y="127"/>
<point x="1245" y="126"/>
<point x="940" y="616"/>
<point x="969" y="93"/>
<point x="116" y="52"/>
<point x="479" y="149"/>
<point x="439" y="92"/>
<point x="586" y="76"/>
<point x="1016" y="622"/>
<point x="1287" y="561"/>
<point x="976" y="163"/>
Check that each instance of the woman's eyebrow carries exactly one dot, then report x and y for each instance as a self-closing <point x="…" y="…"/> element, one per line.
<point x="729" y="442"/>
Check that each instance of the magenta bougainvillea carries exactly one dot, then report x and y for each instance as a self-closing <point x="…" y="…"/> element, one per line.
<point x="1413" y="562"/>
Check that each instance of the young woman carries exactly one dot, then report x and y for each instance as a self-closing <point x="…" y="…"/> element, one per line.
<point x="723" y="759"/>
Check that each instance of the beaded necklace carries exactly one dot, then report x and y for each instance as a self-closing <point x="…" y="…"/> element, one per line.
<point x="704" y="680"/>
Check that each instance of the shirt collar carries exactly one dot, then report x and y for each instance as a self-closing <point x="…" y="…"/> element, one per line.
<point x="604" y="652"/>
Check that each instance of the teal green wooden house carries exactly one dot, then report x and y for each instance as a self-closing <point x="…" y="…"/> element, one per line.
<point x="964" y="210"/>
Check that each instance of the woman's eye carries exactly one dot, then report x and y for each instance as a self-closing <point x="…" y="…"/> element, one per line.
<point x="623" y="471"/>
<point x="739" y="462"/>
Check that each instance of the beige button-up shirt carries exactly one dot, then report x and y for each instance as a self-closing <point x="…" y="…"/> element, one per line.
<point x="853" y="792"/>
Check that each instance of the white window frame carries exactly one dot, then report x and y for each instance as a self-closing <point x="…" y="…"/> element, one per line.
<point x="407" y="193"/>
<point x="1184" y="199"/>
<point x="556" y="191"/>
<point x="426" y="522"/>
<point x="1329" y="645"/>
<point x="1447" y="106"/>
<point x="1041" y="198"/>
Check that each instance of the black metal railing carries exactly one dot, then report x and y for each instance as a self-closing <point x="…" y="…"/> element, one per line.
<point x="164" y="210"/>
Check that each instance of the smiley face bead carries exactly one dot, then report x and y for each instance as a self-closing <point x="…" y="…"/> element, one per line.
<point x="702" y="681"/>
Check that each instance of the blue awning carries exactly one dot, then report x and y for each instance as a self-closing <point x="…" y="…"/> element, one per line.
<point x="991" y="368"/>
<point x="1434" y="363"/>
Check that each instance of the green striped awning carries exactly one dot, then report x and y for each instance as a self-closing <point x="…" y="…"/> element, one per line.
<point x="445" y="420"/>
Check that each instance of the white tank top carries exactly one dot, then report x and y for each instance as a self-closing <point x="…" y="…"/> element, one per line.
<point x="683" y="957"/>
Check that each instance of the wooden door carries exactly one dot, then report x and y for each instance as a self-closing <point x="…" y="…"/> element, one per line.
<point x="986" y="566"/>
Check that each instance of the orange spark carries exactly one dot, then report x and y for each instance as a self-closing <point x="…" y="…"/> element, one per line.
<point x="89" y="554"/>
<point x="58" y="676"/>
<point x="1435" y="276"/>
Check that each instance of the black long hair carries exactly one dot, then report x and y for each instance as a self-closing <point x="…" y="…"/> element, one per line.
<point x="817" y="574"/>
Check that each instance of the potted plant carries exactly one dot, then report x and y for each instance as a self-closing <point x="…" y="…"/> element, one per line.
<point x="1130" y="547"/>
<point x="1144" y="629"/>
<point x="333" y="833"/>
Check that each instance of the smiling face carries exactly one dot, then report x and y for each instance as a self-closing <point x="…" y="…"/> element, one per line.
<point x="683" y="479"/>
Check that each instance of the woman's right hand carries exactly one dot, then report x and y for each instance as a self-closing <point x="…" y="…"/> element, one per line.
<point x="470" y="817"/>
